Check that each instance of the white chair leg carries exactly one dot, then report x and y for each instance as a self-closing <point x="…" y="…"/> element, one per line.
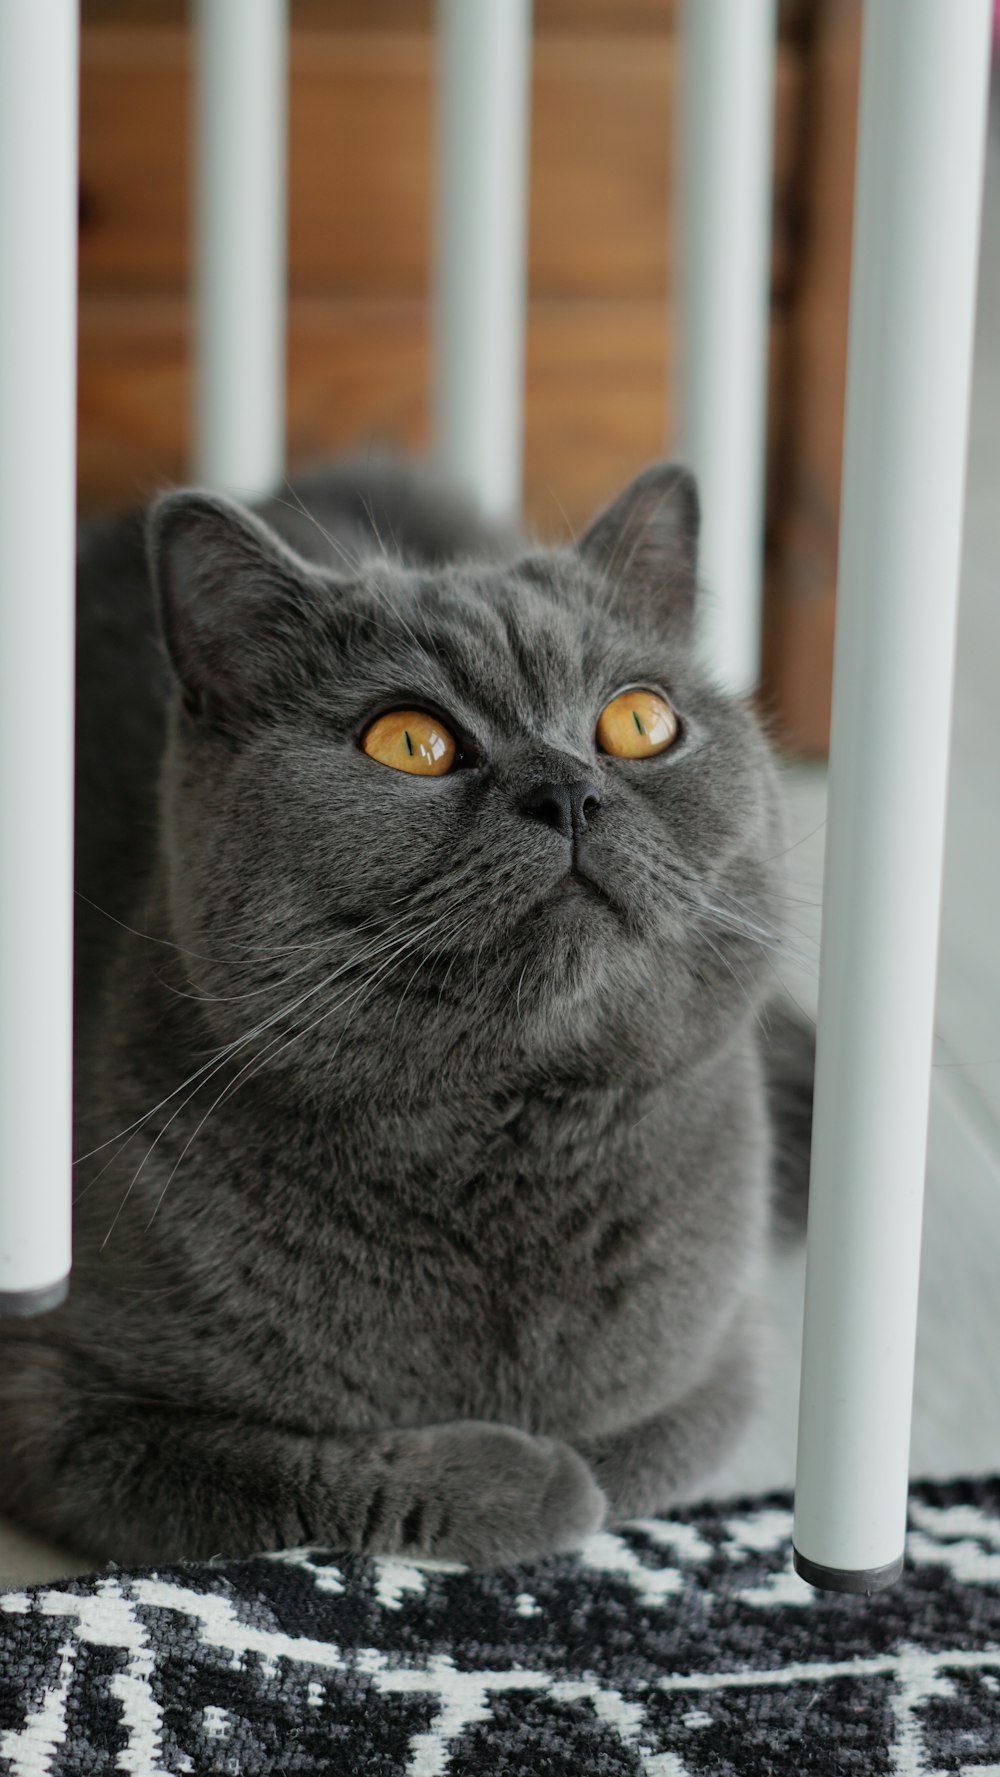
<point x="39" y="58"/>
<point x="726" y="105"/>
<point x="484" y="91"/>
<point x="240" y="152"/>
<point x="919" y="182"/>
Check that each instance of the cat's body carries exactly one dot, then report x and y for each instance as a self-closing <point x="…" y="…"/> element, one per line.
<point x="459" y="1251"/>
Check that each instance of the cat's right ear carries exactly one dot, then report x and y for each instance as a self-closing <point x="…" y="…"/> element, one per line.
<point x="645" y="544"/>
<point x="229" y="592"/>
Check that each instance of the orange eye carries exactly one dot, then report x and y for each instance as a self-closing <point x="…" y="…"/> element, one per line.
<point x="635" y="725"/>
<point x="410" y="740"/>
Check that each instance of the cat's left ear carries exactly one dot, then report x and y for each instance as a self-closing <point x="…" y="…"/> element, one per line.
<point x="232" y="598"/>
<point x="646" y="543"/>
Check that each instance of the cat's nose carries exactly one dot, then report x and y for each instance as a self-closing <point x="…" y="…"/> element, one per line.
<point x="566" y="807"/>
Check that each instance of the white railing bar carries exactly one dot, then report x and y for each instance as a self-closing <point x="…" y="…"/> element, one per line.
<point x="39" y="60"/>
<point x="723" y="258"/>
<point x="919" y="182"/>
<point x="483" y="128"/>
<point x="240" y="254"/>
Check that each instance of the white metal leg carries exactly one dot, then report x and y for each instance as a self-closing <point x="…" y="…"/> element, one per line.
<point x="484" y="89"/>
<point x="726" y="103"/>
<point x="239" y="201"/>
<point x="39" y="55"/>
<point x="921" y="148"/>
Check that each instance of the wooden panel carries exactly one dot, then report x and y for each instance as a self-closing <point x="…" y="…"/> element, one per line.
<point x="798" y="655"/>
<point x="360" y="157"/>
<point x="624" y="16"/>
<point x="600" y="335"/>
<point x="361" y="131"/>
<point x="133" y="398"/>
<point x="134" y="166"/>
<point x="358" y="378"/>
<point x="621" y="16"/>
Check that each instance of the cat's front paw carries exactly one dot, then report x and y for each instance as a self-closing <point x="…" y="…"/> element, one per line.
<point x="499" y="1495"/>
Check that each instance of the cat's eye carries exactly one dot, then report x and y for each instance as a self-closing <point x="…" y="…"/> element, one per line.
<point x="636" y="724"/>
<point x="411" y="740"/>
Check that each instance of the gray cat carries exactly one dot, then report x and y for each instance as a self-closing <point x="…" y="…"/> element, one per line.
<point x="432" y="1116"/>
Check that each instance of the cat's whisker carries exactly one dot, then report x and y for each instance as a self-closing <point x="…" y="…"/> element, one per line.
<point x="517" y="996"/>
<point x="447" y="975"/>
<point x="611" y="576"/>
<point x="268" y="1055"/>
<point x="728" y="964"/>
<point x="358" y="999"/>
<point x="397" y="551"/>
<point x="780" y="944"/>
<point x="749" y="909"/>
<point x="218" y="1057"/>
<point x="774" y="856"/>
<point x="357" y="566"/>
<point x="707" y="912"/>
<point x="297" y="504"/>
<point x="387" y="969"/>
<point x="394" y="611"/>
<point x="785" y="929"/>
<point x="376" y="533"/>
<point x="787" y="992"/>
<point x="448" y="938"/>
<point x="770" y="894"/>
<point x="209" y="1069"/>
<point x="614" y="576"/>
<point x="554" y="497"/>
<point x="212" y="1069"/>
<point x="231" y="999"/>
<point x="475" y="966"/>
<point x="761" y="932"/>
<point x="264" y="950"/>
<point x="215" y="1060"/>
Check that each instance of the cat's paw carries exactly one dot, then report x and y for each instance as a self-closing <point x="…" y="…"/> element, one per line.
<point x="499" y="1495"/>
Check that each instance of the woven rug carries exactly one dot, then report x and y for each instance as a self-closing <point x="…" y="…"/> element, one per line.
<point x="678" y="1646"/>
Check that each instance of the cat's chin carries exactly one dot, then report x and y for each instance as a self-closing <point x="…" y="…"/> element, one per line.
<point x="573" y="888"/>
<point x="573" y="897"/>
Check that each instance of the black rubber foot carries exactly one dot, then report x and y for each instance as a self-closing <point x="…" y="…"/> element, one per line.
<point x="20" y="1303"/>
<point x="847" y="1579"/>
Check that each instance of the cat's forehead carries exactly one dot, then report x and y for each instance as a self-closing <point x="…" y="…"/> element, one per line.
<point x="532" y="638"/>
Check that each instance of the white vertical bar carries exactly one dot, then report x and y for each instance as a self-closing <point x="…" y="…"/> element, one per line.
<point x="240" y="115"/>
<point x="919" y="181"/>
<point x="484" y="114"/>
<point x="726" y="104"/>
<point x="39" y="56"/>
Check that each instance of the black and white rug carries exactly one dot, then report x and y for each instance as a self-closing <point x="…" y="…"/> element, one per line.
<point x="677" y="1647"/>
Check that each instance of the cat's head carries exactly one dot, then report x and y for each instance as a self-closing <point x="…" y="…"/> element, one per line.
<point x="423" y="822"/>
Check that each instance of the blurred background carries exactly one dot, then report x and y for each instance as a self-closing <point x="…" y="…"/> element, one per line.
<point x="601" y="337"/>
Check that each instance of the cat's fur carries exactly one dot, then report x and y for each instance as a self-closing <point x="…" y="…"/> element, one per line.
<point x="456" y="1249"/>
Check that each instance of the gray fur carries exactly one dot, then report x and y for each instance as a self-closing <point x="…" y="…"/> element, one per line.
<point x="456" y="1249"/>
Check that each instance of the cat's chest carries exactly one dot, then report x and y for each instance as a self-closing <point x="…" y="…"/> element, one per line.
<point x="555" y="1275"/>
<point x="539" y="1291"/>
<point x="532" y="1215"/>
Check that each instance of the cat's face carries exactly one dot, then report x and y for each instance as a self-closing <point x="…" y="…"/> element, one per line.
<point x="554" y="894"/>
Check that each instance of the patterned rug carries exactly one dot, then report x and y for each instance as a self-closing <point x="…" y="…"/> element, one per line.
<point x="677" y="1647"/>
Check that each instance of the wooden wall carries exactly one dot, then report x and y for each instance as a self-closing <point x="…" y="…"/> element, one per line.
<point x="806" y="457"/>
<point x="601" y="312"/>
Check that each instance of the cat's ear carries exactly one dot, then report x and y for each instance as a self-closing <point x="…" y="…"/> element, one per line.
<point x="229" y="593"/>
<point x="645" y="543"/>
